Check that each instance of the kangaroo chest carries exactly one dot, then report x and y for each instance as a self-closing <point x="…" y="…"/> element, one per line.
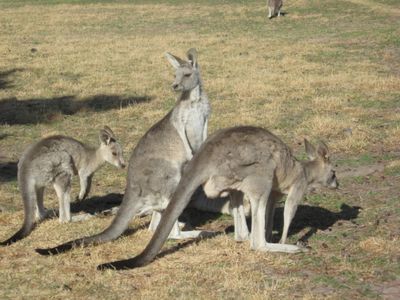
<point x="196" y="119"/>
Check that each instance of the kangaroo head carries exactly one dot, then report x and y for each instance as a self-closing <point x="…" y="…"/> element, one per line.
<point x="187" y="75"/>
<point x="111" y="150"/>
<point x="320" y="168"/>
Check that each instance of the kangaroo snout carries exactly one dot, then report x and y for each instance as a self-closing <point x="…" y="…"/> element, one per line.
<point x="176" y="87"/>
<point x="334" y="183"/>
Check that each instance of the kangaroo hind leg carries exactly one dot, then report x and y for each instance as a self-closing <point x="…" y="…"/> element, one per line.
<point x="62" y="186"/>
<point x="294" y="197"/>
<point x="241" y="229"/>
<point x="259" y="203"/>
<point x="40" y="212"/>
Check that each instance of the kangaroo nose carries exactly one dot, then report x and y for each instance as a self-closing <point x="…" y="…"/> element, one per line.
<point x="175" y="86"/>
<point x="122" y="165"/>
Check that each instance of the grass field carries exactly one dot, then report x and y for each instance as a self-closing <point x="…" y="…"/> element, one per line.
<point x="327" y="70"/>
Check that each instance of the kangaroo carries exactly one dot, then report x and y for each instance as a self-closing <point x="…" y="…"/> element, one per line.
<point x="156" y="163"/>
<point x="221" y="205"/>
<point x="274" y="8"/>
<point x="54" y="160"/>
<point x="244" y="160"/>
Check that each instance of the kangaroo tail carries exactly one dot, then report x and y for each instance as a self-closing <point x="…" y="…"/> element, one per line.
<point x="25" y="230"/>
<point x="190" y="181"/>
<point x="121" y="221"/>
<point x="29" y="197"/>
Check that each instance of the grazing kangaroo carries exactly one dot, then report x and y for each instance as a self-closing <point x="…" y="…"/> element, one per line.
<point x="54" y="160"/>
<point x="244" y="160"/>
<point x="156" y="164"/>
<point x="274" y="8"/>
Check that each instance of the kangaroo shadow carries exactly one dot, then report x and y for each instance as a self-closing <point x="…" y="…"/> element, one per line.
<point x="105" y="205"/>
<point x="313" y="217"/>
<point x="193" y="217"/>
<point x="14" y="111"/>
<point x="5" y="82"/>
<point x="8" y="171"/>
<point x="130" y="263"/>
<point x="97" y="204"/>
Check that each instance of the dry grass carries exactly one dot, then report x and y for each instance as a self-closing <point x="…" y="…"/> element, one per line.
<point x="328" y="69"/>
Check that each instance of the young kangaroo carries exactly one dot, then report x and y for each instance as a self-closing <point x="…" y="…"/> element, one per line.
<point x="54" y="160"/>
<point x="250" y="161"/>
<point x="156" y="163"/>
<point x="274" y="8"/>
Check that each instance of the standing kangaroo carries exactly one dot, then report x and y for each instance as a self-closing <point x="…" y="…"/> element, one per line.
<point x="274" y="8"/>
<point x="156" y="163"/>
<point x="244" y="160"/>
<point x="54" y="160"/>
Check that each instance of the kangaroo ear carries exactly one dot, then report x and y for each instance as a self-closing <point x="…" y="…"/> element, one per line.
<point x="175" y="61"/>
<point x="110" y="132"/>
<point x="323" y="151"/>
<point x="192" y="57"/>
<point x="310" y="150"/>
<point x="105" y="137"/>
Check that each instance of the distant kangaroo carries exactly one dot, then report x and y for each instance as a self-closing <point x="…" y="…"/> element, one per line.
<point x="274" y="8"/>
<point x="54" y="160"/>
<point x="156" y="164"/>
<point x="244" y="160"/>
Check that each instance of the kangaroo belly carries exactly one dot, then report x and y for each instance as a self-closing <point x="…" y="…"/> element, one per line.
<point x="217" y="186"/>
<point x="44" y="169"/>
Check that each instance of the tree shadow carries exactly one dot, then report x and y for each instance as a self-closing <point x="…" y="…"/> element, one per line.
<point x="5" y="83"/>
<point x="8" y="171"/>
<point x="14" y="111"/>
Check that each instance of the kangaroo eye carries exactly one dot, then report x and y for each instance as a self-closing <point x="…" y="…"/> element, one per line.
<point x="114" y="153"/>
<point x="187" y="75"/>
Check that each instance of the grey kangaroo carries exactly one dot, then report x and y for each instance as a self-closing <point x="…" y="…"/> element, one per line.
<point x="274" y="8"/>
<point x="251" y="161"/>
<point x="54" y="160"/>
<point x="156" y="163"/>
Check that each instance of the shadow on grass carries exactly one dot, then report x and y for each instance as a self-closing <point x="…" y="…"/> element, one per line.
<point x="97" y="204"/>
<point x="131" y="263"/>
<point x="306" y="216"/>
<point x="315" y="218"/>
<point x="13" y="111"/>
<point x="103" y="206"/>
<point x="8" y="171"/>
